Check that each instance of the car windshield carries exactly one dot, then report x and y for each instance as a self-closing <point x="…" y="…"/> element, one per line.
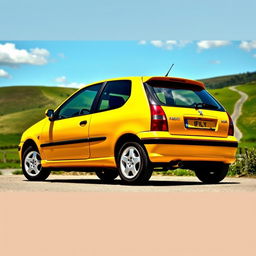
<point x="185" y="96"/>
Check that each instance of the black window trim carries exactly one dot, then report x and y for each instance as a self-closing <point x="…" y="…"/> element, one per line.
<point x="56" y="112"/>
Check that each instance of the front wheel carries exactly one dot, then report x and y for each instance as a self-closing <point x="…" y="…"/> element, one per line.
<point x="212" y="173"/>
<point x="31" y="165"/>
<point x="133" y="164"/>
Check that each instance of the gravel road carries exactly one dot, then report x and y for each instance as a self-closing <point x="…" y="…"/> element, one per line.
<point x="90" y="183"/>
<point x="238" y="111"/>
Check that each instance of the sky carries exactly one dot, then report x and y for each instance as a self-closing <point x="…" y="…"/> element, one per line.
<point x="74" y="63"/>
<point x="127" y="20"/>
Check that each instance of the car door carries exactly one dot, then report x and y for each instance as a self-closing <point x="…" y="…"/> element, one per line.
<point x="66" y="137"/>
<point x="110" y="115"/>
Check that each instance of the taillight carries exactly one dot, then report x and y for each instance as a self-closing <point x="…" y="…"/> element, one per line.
<point x="231" y="126"/>
<point x="158" y="119"/>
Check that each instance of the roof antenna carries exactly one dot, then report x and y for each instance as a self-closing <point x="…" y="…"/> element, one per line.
<point x="169" y="70"/>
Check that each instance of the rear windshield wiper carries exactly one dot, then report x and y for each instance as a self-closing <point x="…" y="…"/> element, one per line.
<point x="205" y="105"/>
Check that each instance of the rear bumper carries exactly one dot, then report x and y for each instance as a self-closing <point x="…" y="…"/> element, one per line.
<point x="163" y="147"/>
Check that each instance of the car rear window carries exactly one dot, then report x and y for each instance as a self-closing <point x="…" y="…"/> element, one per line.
<point x="183" y="95"/>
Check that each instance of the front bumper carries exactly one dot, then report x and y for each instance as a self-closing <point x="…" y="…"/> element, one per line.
<point x="163" y="147"/>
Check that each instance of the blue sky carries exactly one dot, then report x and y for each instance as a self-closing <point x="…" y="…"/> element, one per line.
<point x="127" y="20"/>
<point x="72" y="63"/>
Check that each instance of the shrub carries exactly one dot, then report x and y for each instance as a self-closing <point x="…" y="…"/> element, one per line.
<point x="245" y="163"/>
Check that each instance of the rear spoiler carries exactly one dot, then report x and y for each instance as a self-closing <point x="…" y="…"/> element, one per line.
<point x="173" y="79"/>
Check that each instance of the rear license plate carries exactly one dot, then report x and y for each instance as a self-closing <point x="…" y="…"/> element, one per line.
<point x="200" y="124"/>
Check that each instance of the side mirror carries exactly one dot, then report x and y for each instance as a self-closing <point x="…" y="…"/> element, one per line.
<point x="50" y="113"/>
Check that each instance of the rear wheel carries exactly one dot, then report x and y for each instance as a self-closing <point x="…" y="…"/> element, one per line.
<point x="31" y="165"/>
<point x="133" y="164"/>
<point x="107" y="175"/>
<point x="212" y="173"/>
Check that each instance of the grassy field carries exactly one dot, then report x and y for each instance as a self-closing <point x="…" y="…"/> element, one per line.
<point x="226" y="97"/>
<point x="247" y="121"/>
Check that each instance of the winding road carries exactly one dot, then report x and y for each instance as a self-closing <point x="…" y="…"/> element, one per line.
<point x="238" y="110"/>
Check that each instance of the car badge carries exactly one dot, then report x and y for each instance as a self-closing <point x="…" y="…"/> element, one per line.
<point x="200" y="112"/>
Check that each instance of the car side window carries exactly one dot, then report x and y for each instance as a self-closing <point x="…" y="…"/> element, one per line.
<point x="115" y="94"/>
<point x="80" y="104"/>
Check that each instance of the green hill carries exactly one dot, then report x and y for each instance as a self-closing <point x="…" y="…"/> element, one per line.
<point x="22" y="106"/>
<point x="224" y="81"/>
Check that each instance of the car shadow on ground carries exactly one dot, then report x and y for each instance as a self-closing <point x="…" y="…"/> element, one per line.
<point x="149" y="183"/>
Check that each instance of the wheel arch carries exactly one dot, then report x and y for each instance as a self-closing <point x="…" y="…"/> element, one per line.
<point x="128" y="137"/>
<point x="27" y="143"/>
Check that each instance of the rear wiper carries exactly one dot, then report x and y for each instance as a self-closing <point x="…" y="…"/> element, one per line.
<point x="205" y="105"/>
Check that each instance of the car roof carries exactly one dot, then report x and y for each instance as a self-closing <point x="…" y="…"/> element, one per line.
<point x="154" y="78"/>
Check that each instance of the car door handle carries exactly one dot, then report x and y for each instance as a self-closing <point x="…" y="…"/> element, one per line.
<point x="83" y="123"/>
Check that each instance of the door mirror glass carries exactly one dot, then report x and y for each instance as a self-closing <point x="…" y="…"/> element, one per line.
<point x="50" y="113"/>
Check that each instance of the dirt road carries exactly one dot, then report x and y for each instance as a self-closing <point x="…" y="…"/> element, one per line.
<point x="238" y="110"/>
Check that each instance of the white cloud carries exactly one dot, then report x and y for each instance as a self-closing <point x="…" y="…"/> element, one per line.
<point x="215" y="61"/>
<point x="4" y="74"/>
<point x="157" y="43"/>
<point x="205" y="45"/>
<point x="169" y="44"/>
<point x="71" y="85"/>
<point x="10" y="55"/>
<point x="142" y="42"/>
<point x="61" y="79"/>
<point x="248" y="45"/>
<point x="254" y="55"/>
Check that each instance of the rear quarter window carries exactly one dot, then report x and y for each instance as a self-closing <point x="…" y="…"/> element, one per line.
<point x="114" y="95"/>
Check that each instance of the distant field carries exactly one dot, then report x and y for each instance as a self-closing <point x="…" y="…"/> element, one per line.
<point x="224" y="81"/>
<point x="247" y="122"/>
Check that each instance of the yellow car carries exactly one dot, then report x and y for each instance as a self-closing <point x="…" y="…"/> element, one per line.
<point x="129" y="127"/>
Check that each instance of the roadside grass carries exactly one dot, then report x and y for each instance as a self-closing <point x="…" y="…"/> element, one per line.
<point x="17" y="172"/>
<point x="9" y="158"/>
<point x="1" y="173"/>
<point x="247" y="121"/>
<point x="176" y="172"/>
<point x="9" y="140"/>
<point x="226" y="97"/>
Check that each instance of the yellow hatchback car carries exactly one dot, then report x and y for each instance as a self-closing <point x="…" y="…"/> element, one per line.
<point x="130" y="126"/>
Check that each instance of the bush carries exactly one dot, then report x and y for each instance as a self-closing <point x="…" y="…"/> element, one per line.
<point x="245" y="164"/>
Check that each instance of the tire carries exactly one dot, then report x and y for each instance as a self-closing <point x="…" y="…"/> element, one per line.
<point x="133" y="164"/>
<point x="107" y="175"/>
<point x="31" y="165"/>
<point x="212" y="173"/>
